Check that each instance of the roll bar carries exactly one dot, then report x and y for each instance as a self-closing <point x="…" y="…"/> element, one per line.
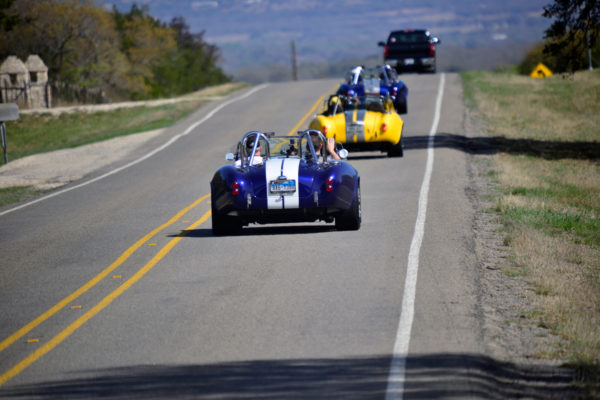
<point x="247" y="160"/>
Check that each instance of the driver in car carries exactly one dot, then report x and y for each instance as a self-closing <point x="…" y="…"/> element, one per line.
<point x="318" y="145"/>
<point x="257" y="160"/>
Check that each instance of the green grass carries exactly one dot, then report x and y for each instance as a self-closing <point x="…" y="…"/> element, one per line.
<point x="17" y="194"/>
<point x="479" y="81"/>
<point x="33" y="134"/>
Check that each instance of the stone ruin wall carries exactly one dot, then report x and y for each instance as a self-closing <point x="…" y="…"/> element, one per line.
<point x="25" y="83"/>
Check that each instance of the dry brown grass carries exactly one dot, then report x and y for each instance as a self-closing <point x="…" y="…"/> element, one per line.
<point x="553" y="109"/>
<point x="529" y="173"/>
<point x="548" y="168"/>
<point x="568" y="291"/>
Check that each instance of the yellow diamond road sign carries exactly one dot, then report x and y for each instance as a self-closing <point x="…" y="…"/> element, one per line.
<point x="540" y="71"/>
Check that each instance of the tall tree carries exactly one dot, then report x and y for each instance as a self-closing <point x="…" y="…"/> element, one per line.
<point x="192" y="67"/>
<point x="146" y="42"/>
<point x="74" y="38"/>
<point x="7" y="21"/>
<point x="575" y="22"/>
<point x="128" y="55"/>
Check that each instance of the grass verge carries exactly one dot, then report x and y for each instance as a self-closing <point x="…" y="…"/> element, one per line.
<point x="547" y="166"/>
<point x="16" y="194"/>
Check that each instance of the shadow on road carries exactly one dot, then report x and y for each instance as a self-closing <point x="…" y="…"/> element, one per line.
<point x="257" y="230"/>
<point x="435" y="376"/>
<point x="194" y="233"/>
<point x="550" y="150"/>
<point x="355" y="156"/>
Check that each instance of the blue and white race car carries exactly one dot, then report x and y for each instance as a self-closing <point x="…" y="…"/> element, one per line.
<point x="278" y="179"/>
<point x="389" y="85"/>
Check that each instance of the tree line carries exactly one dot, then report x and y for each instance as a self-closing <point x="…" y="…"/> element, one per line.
<point x="130" y="55"/>
<point x="571" y="42"/>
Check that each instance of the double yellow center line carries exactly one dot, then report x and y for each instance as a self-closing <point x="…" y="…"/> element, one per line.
<point x="55" y="341"/>
<point x="64" y="334"/>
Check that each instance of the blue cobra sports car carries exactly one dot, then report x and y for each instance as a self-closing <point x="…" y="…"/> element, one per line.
<point x="280" y="179"/>
<point x="389" y="85"/>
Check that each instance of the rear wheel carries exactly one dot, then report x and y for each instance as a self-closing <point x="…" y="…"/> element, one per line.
<point x="431" y="69"/>
<point x="401" y="106"/>
<point x="396" y="150"/>
<point x="350" y="219"/>
<point x="224" y="225"/>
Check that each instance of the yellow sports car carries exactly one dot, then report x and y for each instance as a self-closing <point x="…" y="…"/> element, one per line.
<point x="366" y="122"/>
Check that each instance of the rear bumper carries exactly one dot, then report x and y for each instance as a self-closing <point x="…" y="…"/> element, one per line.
<point x="413" y="63"/>
<point x="369" y="146"/>
<point x="328" y="207"/>
<point x="267" y="216"/>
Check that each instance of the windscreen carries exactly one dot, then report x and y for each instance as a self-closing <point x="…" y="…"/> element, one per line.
<point x="283" y="146"/>
<point x="409" y="37"/>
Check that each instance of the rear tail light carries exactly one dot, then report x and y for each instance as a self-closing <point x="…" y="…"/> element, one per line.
<point x="235" y="188"/>
<point x="329" y="184"/>
<point x="431" y="49"/>
<point x="324" y="129"/>
<point x="386" y="51"/>
<point x="383" y="127"/>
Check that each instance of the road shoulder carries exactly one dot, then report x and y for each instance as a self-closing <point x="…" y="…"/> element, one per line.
<point x="512" y="335"/>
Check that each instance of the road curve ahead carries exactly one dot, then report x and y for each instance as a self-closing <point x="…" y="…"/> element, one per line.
<point x="117" y="288"/>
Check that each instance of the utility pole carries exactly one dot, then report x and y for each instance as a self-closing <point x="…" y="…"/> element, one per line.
<point x="589" y="47"/>
<point x="294" y="66"/>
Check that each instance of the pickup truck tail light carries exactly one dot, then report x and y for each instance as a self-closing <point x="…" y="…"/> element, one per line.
<point x="386" y="51"/>
<point x="431" y="49"/>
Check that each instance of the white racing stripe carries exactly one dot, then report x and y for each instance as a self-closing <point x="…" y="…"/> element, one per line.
<point x="397" y="376"/>
<point x="287" y="167"/>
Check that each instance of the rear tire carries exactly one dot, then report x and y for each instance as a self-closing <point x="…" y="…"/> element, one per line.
<point x="401" y="107"/>
<point x="223" y="225"/>
<point x="396" y="150"/>
<point x="350" y="219"/>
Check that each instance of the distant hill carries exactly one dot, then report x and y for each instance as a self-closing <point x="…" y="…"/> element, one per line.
<point x="257" y="33"/>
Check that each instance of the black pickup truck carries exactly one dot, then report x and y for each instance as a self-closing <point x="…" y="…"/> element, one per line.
<point x="411" y="50"/>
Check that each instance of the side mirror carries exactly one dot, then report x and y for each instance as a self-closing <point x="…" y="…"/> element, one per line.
<point x="229" y="157"/>
<point x="381" y="44"/>
<point x="343" y="153"/>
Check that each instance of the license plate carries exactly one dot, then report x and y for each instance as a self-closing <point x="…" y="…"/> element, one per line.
<point x="409" y="61"/>
<point x="282" y="186"/>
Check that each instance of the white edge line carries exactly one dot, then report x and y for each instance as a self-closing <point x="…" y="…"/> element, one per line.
<point x="153" y="152"/>
<point x="396" y="377"/>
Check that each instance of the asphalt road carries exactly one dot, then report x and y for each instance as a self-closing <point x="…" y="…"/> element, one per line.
<point x="102" y="296"/>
